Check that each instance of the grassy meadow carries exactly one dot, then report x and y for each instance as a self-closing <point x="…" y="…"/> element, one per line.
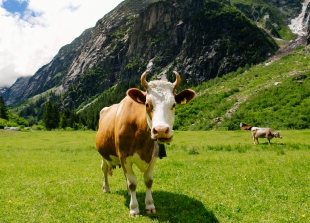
<point x="208" y="176"/>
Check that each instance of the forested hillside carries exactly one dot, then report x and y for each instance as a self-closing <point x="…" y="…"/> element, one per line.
<point x="8" y="118"/>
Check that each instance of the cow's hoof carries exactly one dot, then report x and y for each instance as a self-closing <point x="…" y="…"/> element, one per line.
<point x="105" y="190"/>
<point x="151" y="211"/>
<point x="134" y="214"/>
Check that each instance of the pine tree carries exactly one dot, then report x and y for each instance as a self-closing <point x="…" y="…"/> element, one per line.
<point x="56" y="116"/>
<point x="63" y="121"/>
<point x="50" y="116"/>
<point x="3" y="109"/>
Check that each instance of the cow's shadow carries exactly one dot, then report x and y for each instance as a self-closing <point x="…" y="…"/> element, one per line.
<point x="171" y="207"/>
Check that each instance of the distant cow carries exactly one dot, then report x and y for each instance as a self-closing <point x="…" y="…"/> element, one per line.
<point x="129" y="133"/>
<point x="268" y="133"/>
<point x="245" y="126"/>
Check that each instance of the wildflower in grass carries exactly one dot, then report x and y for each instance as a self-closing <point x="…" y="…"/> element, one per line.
<point x="303" y="215"/>
<point x="9" y="201"/>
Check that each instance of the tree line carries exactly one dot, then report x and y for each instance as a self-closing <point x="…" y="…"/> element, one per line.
<point x="3" y="109"/>
<point x="53" y="119"/>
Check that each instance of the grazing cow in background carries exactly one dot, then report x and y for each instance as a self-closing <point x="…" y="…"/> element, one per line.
<point x="129" y="133"/>
<point x="245" y="126"/>
<point x="268" y="133"/>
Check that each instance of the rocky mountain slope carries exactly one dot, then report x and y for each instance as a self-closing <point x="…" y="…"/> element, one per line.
<point x="18" y="88"/>
<point x="202" y="39"/>
<point x="196" y="37"/>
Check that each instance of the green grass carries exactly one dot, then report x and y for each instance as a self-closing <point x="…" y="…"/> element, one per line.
<point x="207" y="176"/>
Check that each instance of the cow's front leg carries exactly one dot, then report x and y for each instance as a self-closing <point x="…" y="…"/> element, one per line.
<point x="148" y="180"/>
<point x="257" y="141"/>
<point x="254" y="140"/>
<point x="132" y="183"/>
<point x="128" y="191"/>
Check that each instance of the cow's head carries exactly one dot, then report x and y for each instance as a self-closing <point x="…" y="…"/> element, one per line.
<point x="160" y="100"/>
<point x="277" y="135"/>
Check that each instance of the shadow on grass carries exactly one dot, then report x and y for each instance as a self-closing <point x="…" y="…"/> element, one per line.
<point x="173" y="207"/>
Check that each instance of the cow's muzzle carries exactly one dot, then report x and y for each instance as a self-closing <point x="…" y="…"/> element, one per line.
<point x="164" y="140"/>
<point x="162" y="134"/>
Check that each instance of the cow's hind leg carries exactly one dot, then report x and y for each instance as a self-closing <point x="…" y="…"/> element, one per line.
<point x="148" y="180"/>
<point x="104" y="167"/>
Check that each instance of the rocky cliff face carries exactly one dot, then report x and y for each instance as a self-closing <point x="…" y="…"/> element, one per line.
<point x="51" y="75"/>
<point x="102" y="48"/>
<point x="201" y="39"/>
<point x="198" y="38"/>
<point x="13" y="93"/>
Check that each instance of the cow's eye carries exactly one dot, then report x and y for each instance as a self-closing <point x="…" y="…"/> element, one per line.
<point x="147" y="105"/>
<point x="173" y="106"/>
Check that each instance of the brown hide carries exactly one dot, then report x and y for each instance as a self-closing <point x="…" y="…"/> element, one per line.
<point x="125" y="133"/>
<point x="246" y="127"/>
<point x="105" y="140"/>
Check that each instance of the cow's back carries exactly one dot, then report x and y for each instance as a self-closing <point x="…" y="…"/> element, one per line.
<point x="105" y="138"/>
<point x="258" y="132"/>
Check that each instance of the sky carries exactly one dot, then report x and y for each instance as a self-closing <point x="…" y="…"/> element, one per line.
<point x="33" y="31"/>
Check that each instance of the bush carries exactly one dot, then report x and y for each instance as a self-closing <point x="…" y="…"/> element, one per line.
<point x="38" y="127"/>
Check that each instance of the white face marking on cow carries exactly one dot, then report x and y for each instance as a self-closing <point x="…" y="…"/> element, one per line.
<point x="160" y="94"/>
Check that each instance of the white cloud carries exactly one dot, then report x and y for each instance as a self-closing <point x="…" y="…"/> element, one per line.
<point x="28" y="42"/>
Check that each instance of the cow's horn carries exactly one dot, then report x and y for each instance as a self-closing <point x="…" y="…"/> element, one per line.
<point x="143" y="79"/>
<point x="177" y="79"/>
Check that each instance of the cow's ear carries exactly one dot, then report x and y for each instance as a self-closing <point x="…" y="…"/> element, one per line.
<point x="185" y="96"/>
<point x="136" y="95"/>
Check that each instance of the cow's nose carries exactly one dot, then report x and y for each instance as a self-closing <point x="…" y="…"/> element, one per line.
<point x="161" y="131"/>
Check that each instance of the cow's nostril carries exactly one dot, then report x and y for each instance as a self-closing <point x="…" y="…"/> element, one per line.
<point x="161" y="131"/>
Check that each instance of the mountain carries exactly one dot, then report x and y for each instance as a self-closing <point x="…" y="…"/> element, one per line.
<point x="13" y="93"/>
<point x="198" y="36"/>
<point x="202" y="39"/>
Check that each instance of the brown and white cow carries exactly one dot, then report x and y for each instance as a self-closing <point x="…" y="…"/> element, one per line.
<point x="129" y="133"/>
<point x="268" y="133"/>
